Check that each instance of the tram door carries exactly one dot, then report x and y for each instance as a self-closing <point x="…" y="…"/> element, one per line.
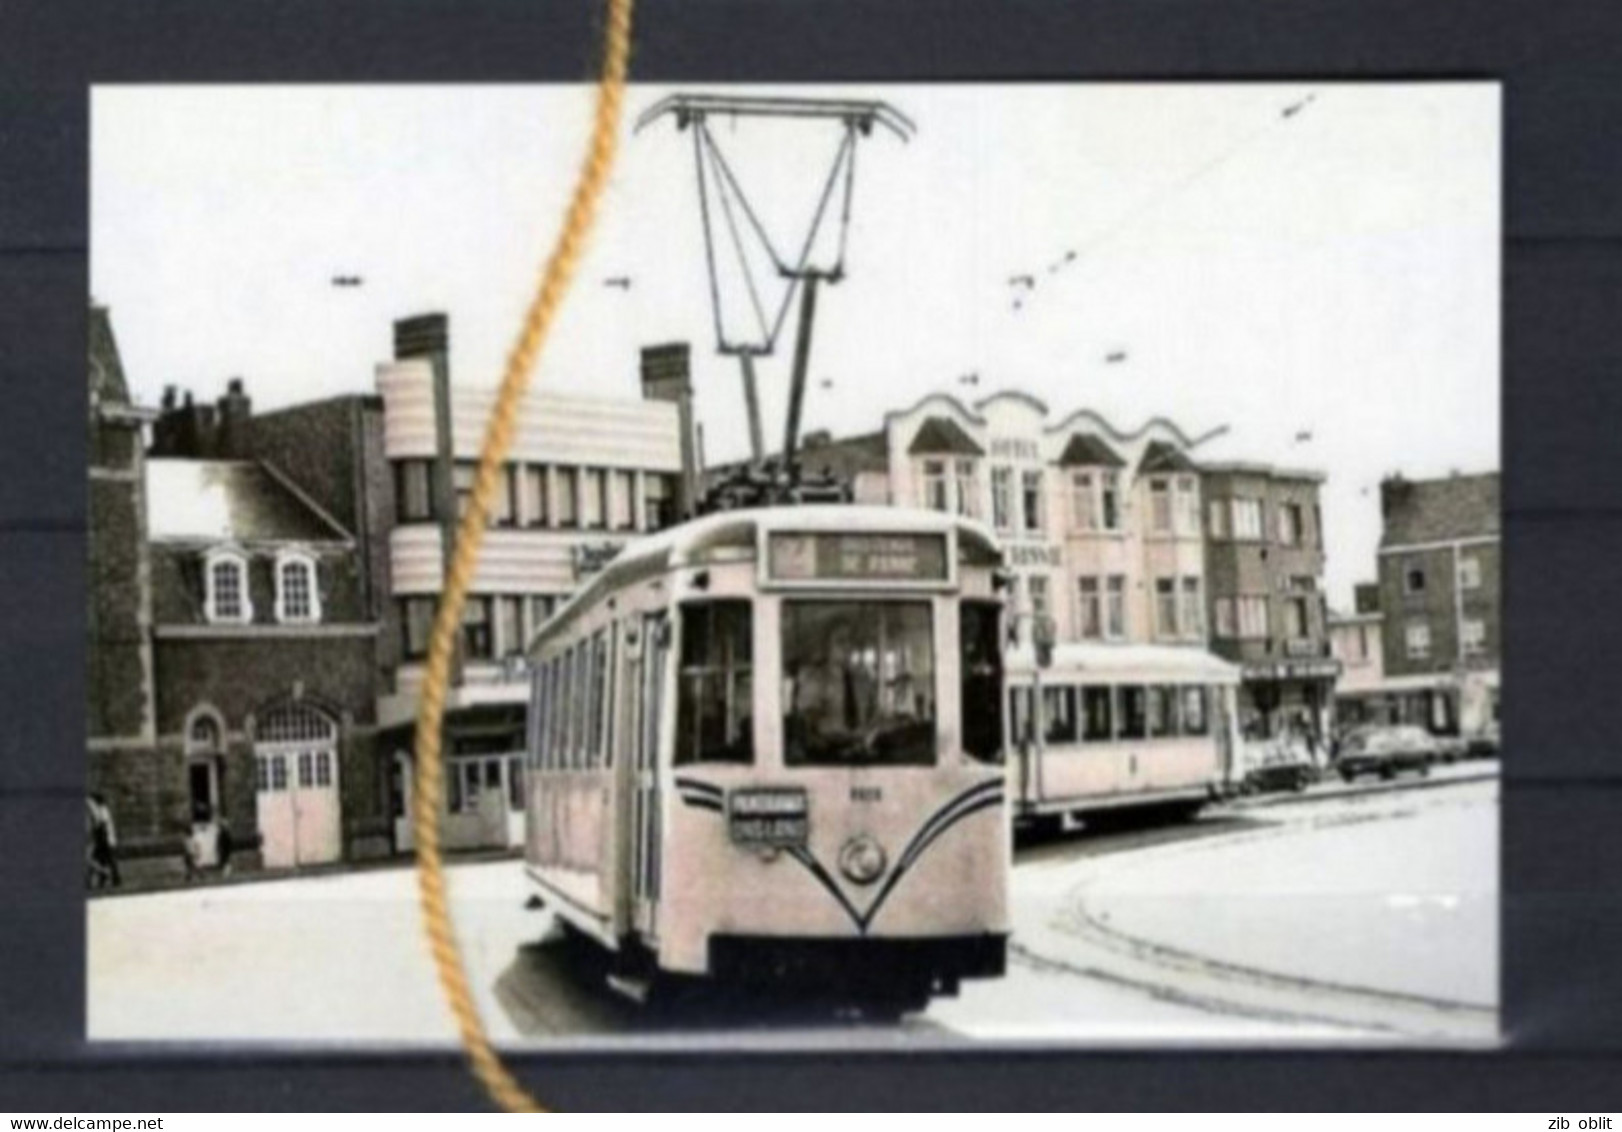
<point x="645" y="777"/>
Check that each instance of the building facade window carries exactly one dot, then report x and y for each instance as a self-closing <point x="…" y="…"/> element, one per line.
<point x="1247" y="519"/>
<point x="504" y="507"/>
<point x="510" y="625"/>
<point x="1297" y="618"/>
<point x="1083" y="502"/>
<point x="568" y="499"/>
<point x="414" y="491"/>
<point x="1109" y="499"/>
<point x="1041" y="607"/>
<point x="1031" y="501"/>
<point x="936" y="489"/>
<point x="1188" y="506"/>
<point x="1418" y="638"/>
<point x="1002" y="498"/>
<point x="622" y="501"/>
<point x="1289" y="524"/>
<point x="1218" y="510"/>
<point x="298" y="593"/>
<point x="1225" y="626"/>
<point x="1089" y="610"/>
<point x="1192" y="614"/>
<point x="1160" y="506"/>
<point x="536" y="503"/>
<point x="1413" y="580"/>
<point x="659" y="500"/>
<point x="1115" y="606"/>
<point x="968" y="488"/>
<point x="1469" y="572"/>
<point x="226" y="600"/>
<point x="478" y="642"/>
<point x="462" y="476"/>
<point x="593" y="502"/>
<point x="1252" y="617"/>
<point x="1473" y="636"/>
<point x="1166" y="607"/>
<point x="416" y="625"/>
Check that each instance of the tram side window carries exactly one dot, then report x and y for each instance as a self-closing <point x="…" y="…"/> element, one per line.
<point x="1195" y="719"/>
<point x="1059" y="715"/>
<point x="1162" y="713"/>
<point x="1134" y="711"/>
<point x="599" y="697"/>
<point x="566" y="711"/>
<point x="980" y="642"/>
<point x="1097" y="714"/>
<point x="715" y="704"/>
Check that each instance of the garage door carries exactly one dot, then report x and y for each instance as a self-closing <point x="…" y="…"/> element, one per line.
<point x="296" y="761"/>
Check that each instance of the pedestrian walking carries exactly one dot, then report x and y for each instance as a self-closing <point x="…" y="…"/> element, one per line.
<point x="103" y="842"/>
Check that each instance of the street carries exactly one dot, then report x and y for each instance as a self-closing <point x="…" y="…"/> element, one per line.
<point x="1364" y="914"/>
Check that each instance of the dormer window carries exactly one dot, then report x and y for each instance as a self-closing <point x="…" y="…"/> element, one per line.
<point x="298" y="597"/>
<point x="225" y="584"/>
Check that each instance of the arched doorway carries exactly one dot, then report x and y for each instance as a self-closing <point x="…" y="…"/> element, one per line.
<point x="296" y="774"/>
<point x="205" y="774"/>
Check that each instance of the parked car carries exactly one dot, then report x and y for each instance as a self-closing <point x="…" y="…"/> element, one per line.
<point x="1386" y="751"/>
<point x="1278" y="764"/>
<point x="1484" y="743"/>
<point x="1451" y="748"/>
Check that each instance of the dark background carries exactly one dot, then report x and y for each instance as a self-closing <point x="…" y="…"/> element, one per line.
<point x="1560" y="61"/>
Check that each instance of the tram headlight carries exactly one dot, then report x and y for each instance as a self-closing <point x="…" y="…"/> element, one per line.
<point x="862" y="859"/>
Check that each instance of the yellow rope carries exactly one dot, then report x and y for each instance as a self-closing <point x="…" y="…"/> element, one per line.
<point x="486" y="1064"/>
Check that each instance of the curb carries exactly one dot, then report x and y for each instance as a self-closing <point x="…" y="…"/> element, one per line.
<point x="265" y="876"/>
<point x="1311" y="795"/>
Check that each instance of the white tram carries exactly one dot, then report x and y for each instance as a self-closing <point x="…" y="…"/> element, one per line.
<point x="1112" y="727"/>
<point x="766" y="746"/>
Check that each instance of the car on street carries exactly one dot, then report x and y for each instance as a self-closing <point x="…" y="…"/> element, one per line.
<point x="1451" y="748"/>
<point x="1278" y="764"/>
<point x="1484" y="743"/>
<point x="1386" y="752"/>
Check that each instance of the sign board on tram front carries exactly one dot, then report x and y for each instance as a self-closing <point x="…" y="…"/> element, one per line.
<point x="834" y="556"/>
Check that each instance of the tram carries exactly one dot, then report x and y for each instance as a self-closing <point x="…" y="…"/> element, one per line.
<point x="1118" y="728"/>
<point x="766" y="747"/>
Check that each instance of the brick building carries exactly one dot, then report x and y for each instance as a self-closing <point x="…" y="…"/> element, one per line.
<point x="231" y="675"/>
<point x="1440" y="563"/>
<point x="1264" y="567"/>
<point x="394" y="469"/>
<point x="119" y="682"/>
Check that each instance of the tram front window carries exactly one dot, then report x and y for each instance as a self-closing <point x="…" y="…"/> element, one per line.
<point x="715" y="708"/>
<point x="858" y="683"/>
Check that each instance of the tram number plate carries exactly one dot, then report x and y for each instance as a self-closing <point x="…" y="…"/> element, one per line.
<point x="778" y="816"/>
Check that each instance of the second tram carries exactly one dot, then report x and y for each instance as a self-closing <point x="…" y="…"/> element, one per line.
<point x="1117" y="727"/>
<point x="766" y="746"/>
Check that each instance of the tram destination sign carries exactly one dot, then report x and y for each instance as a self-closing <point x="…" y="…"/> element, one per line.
<point x="773" y="816"/>
<point x="837" y="556"/>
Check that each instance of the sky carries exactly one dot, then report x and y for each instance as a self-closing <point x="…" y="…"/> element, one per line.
<point x="1314" y="267"/>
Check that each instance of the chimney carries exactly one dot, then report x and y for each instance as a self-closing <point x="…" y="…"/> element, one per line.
<point x="184" y="429"/>
<point x="1394" y="492"/>
<point x="821" y="438"/>
<point x="667" y="375"/>
<point x="235" y="411"/>
<point x="422" y="336"/>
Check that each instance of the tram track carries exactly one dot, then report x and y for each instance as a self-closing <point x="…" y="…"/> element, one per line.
<point x="1079" y="940"/>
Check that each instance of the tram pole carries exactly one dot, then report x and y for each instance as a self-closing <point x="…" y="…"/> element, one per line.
<point x="802" y="361"/>
<point x="757" y="444"/>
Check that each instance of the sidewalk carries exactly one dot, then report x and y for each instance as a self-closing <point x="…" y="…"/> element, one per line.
<point x="139" y="880"/>
<point x="1330" y="786"/>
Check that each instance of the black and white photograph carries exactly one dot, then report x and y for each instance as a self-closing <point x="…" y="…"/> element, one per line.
<point x="977" y="564"/>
